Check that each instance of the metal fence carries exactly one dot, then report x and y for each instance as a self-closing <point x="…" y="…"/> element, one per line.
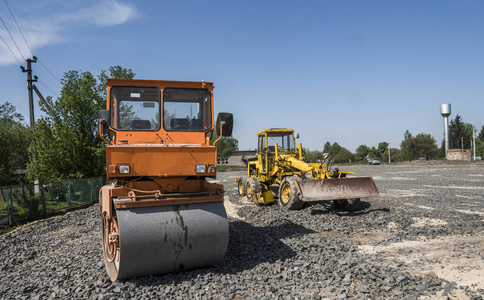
<point x="27" y="202"/>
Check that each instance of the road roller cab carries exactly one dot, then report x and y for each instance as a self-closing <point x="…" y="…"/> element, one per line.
<point x="158" y="156"/>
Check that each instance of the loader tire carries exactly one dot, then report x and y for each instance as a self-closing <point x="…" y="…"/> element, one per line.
<point x="241" y="186"/>
<point x="347" y="204"/>
<point x="253" y="187"/>
<point x="288" y="196"/>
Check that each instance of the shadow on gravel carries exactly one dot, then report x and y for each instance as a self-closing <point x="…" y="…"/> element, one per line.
<point x="363" y="209"/>
<point x="249" y="246"/>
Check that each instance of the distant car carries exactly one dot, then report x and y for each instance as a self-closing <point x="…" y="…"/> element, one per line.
<point x="374" y="161"/>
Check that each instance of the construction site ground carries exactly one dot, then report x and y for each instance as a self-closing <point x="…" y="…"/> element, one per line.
<point x="423" y="238"/>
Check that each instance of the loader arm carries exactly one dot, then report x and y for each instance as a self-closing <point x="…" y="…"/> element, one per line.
<point x="315" y="170"/>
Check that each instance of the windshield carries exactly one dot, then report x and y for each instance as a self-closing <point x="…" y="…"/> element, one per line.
<point x="285" y="142"/>
<point x="135" y="108"/>
<point x="186" y="109"/>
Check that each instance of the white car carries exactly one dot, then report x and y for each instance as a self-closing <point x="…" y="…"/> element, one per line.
<point x="373" y="161"/>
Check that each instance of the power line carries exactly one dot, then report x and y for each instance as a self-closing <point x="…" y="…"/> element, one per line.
<point x="11" y="51"/>
<point x="47" y="87"/>
<point x="27" y="43"/>
<point x="12" y="38"/>
<point x="18" y="27"/>
<point x="49" y="71"/>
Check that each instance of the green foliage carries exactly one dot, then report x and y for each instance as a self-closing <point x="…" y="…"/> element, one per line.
<point x="343" y="156"/>
<point x="441" y="151"/>
<point x="126" y="115"/>
<point x="459" y="132"/>
<point x="374" y="153"/>
<point x="361" y="152"/>
<point x="226" y="146"/>
<point x="395" y="155"/>
<point x="382" y="147"/>
<point x="68" y="145"/>
<point x="422" y="145"/>
<point x="479" y="147"/>
<point x="338" y="154"/>
<point x="8" y="113"/>
<point x="114" y="72"/>
<point x="14" y="141"/>
<point x="312" y="156"/>
<point x="481" y="134"/>
<point x="30" y="202"/>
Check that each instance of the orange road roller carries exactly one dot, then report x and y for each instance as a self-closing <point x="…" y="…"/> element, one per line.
<point x="159" y="212"/>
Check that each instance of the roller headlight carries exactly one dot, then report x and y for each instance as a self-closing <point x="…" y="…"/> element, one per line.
<point x="124" y="169"/>
<point x="200" y="169"/>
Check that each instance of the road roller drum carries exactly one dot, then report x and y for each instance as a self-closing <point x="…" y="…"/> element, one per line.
<point x="164" y="239"/>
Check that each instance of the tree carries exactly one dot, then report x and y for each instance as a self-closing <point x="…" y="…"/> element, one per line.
<point x="374" y="153"/>
<point x="441" y="150"/>
<point x="395" y="155"/>
<point x="361" y="152"/>
<point x="334" y="153"/>
<point x="426" y="146"/>
<point x="479" y="147"/>
<point x="8" y="113"/>
<point x="459" y="132"/>
<point x="343" y="156"/>
<point x="312" y="156"/>
<point x="422" y="145"/>
<point x="481" y="134"/>
<point x="68" y="145"/>
<point x="382" y="147"/>
<point x="226" y="146"/>
<point x="327" y="147"/>
<point x="14" y="141"/>
<point x="332" y="149"/>
<point x="114" y="72"/>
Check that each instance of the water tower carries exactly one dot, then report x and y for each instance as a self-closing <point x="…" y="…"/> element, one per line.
<point x="445" y="112"/>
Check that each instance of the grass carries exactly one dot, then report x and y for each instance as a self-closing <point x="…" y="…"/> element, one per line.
<point x="223" y="168"/>
<point x="7" y="230"/>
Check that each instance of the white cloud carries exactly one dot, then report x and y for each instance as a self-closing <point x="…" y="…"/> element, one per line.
<point x="55" y="27"/>
<point x="104" y="13"/>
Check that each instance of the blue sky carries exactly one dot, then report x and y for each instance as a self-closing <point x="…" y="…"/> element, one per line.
<point x="351" y="72"/>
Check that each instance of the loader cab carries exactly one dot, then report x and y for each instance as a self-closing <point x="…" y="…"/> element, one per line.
<point x="284" y="141"/>
<point x="269" y="139"/>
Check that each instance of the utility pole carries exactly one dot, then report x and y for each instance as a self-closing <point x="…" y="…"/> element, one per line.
<point x="474" y="142"/>
<point x="389" y="157"/>
<point x="30" y="88"/>
<point x="462" y="145"/>
<point x="31" y="107"/>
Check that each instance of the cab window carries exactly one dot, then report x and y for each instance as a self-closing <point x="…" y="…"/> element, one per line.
<point x="135" y="108"/>
<point x="186" y="109"/>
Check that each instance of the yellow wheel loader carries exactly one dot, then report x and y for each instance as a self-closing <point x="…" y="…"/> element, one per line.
<point x="280" y="167"/>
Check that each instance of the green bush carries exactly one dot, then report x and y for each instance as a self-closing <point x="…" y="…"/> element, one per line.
<point x="30" y="204"/>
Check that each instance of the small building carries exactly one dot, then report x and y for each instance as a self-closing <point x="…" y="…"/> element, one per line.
<point x="237" y="158"/>
<point x="459" y="154"/>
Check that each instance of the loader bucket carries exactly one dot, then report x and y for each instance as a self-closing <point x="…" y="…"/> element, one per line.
<point x="337" y="188"/>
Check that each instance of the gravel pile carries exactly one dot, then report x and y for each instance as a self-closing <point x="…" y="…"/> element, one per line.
<point x="312" y="253"/>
